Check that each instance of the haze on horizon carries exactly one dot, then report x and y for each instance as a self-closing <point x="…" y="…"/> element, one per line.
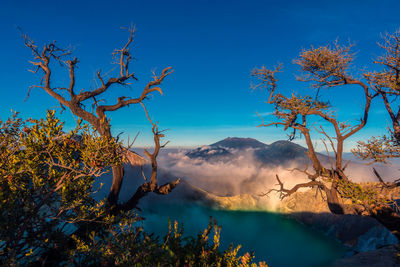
<point x="212" y="47"/>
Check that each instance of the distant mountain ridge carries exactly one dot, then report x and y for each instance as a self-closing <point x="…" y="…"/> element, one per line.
<point x="277" y="153"/>
<point x="281" y="151"/>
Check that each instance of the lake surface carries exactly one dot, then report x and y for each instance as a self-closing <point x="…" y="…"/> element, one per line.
<point x="275" y="239"/>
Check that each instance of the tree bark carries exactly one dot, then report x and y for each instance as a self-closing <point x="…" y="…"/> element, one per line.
<point x="118" y="177"/>
<point x="311" y="152"/>
<point x="117" y="171"/>
<point x="333" y="200"/>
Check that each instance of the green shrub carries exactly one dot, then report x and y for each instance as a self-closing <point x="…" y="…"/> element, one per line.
<point x="49" y="216"/>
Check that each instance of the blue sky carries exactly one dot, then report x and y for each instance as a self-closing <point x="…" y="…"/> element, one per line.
<point x="211" y="45"/>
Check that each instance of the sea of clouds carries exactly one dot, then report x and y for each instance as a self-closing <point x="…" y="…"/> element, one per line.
<point x="242" y="175"/>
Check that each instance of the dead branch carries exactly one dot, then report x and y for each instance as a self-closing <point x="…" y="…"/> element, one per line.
<point x="381" y="181"/>
<point x="283" y="192"/>
<point x="309" y="175"/>
<point x="151" y="186"/>
<point x="43" y="61"/>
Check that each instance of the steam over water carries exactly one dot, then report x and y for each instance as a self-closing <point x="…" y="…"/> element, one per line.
<point x="274" y="239"/>
<point x="277" y="240"/>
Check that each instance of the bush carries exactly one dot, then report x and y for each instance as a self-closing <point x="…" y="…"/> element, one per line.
<point x="49" y="217"/>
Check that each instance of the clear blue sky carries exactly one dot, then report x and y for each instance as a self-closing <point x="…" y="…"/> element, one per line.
<point x="212" y="46"/>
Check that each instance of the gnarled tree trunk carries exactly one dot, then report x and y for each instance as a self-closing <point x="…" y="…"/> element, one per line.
<point x="334" y="202"/>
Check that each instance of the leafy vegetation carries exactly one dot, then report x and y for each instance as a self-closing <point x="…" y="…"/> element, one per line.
<point x="47" y="206"/>
<point x="368" y="197"/>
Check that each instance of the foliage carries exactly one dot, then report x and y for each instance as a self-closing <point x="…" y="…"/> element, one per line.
<point x="46" y="199"/>
<point x="127" y="245"/>
<point x="386" y="83"/>
<point x="326" y="65"/>
<point x="323" y="67"/>
<point x="46" y="180"/>
<point x="378" y="149"/>
<point x="367" y="196"/>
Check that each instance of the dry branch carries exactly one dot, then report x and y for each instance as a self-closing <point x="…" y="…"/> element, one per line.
<point x="74" y="99"/>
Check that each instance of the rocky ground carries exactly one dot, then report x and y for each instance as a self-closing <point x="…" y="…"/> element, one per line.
<point x="383" y="257"/>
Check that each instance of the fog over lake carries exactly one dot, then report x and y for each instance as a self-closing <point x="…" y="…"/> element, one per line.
<point x="233" y="172"/>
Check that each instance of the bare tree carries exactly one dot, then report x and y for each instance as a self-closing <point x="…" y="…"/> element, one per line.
<point x="325" y="67"/>
<point x="70" y="97"/>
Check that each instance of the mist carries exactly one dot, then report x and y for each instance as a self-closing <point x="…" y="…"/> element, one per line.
<point x="243" y="174"/>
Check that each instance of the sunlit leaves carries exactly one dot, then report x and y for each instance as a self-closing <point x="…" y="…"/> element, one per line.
<point x="386" y="83"/>
<point x="325" y="65"/>
<point x="289" y="110"/>
<point x="46" y="182"/>
<point x="377" y="149"/>
<point x="127" y="245"/>
<point x="370" y="197"/>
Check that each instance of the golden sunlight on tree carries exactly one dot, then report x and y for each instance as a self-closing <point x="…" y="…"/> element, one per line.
<point x="328" y="68"/>
<point x="386" y="83"/>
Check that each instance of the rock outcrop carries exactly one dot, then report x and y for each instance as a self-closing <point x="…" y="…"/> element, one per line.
<point x="358" y="233"/>
<point x="307" y="201"/>
<point x="381" y="257"/>
<point x="237" y="202"/>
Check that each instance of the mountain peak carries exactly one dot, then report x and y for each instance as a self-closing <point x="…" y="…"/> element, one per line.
<point x="286" y="143"/>
<point x="239" y="143"/>
<point x="277" y="153"/>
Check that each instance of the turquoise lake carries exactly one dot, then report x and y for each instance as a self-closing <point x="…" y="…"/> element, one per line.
<point x="275" y="239"/>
